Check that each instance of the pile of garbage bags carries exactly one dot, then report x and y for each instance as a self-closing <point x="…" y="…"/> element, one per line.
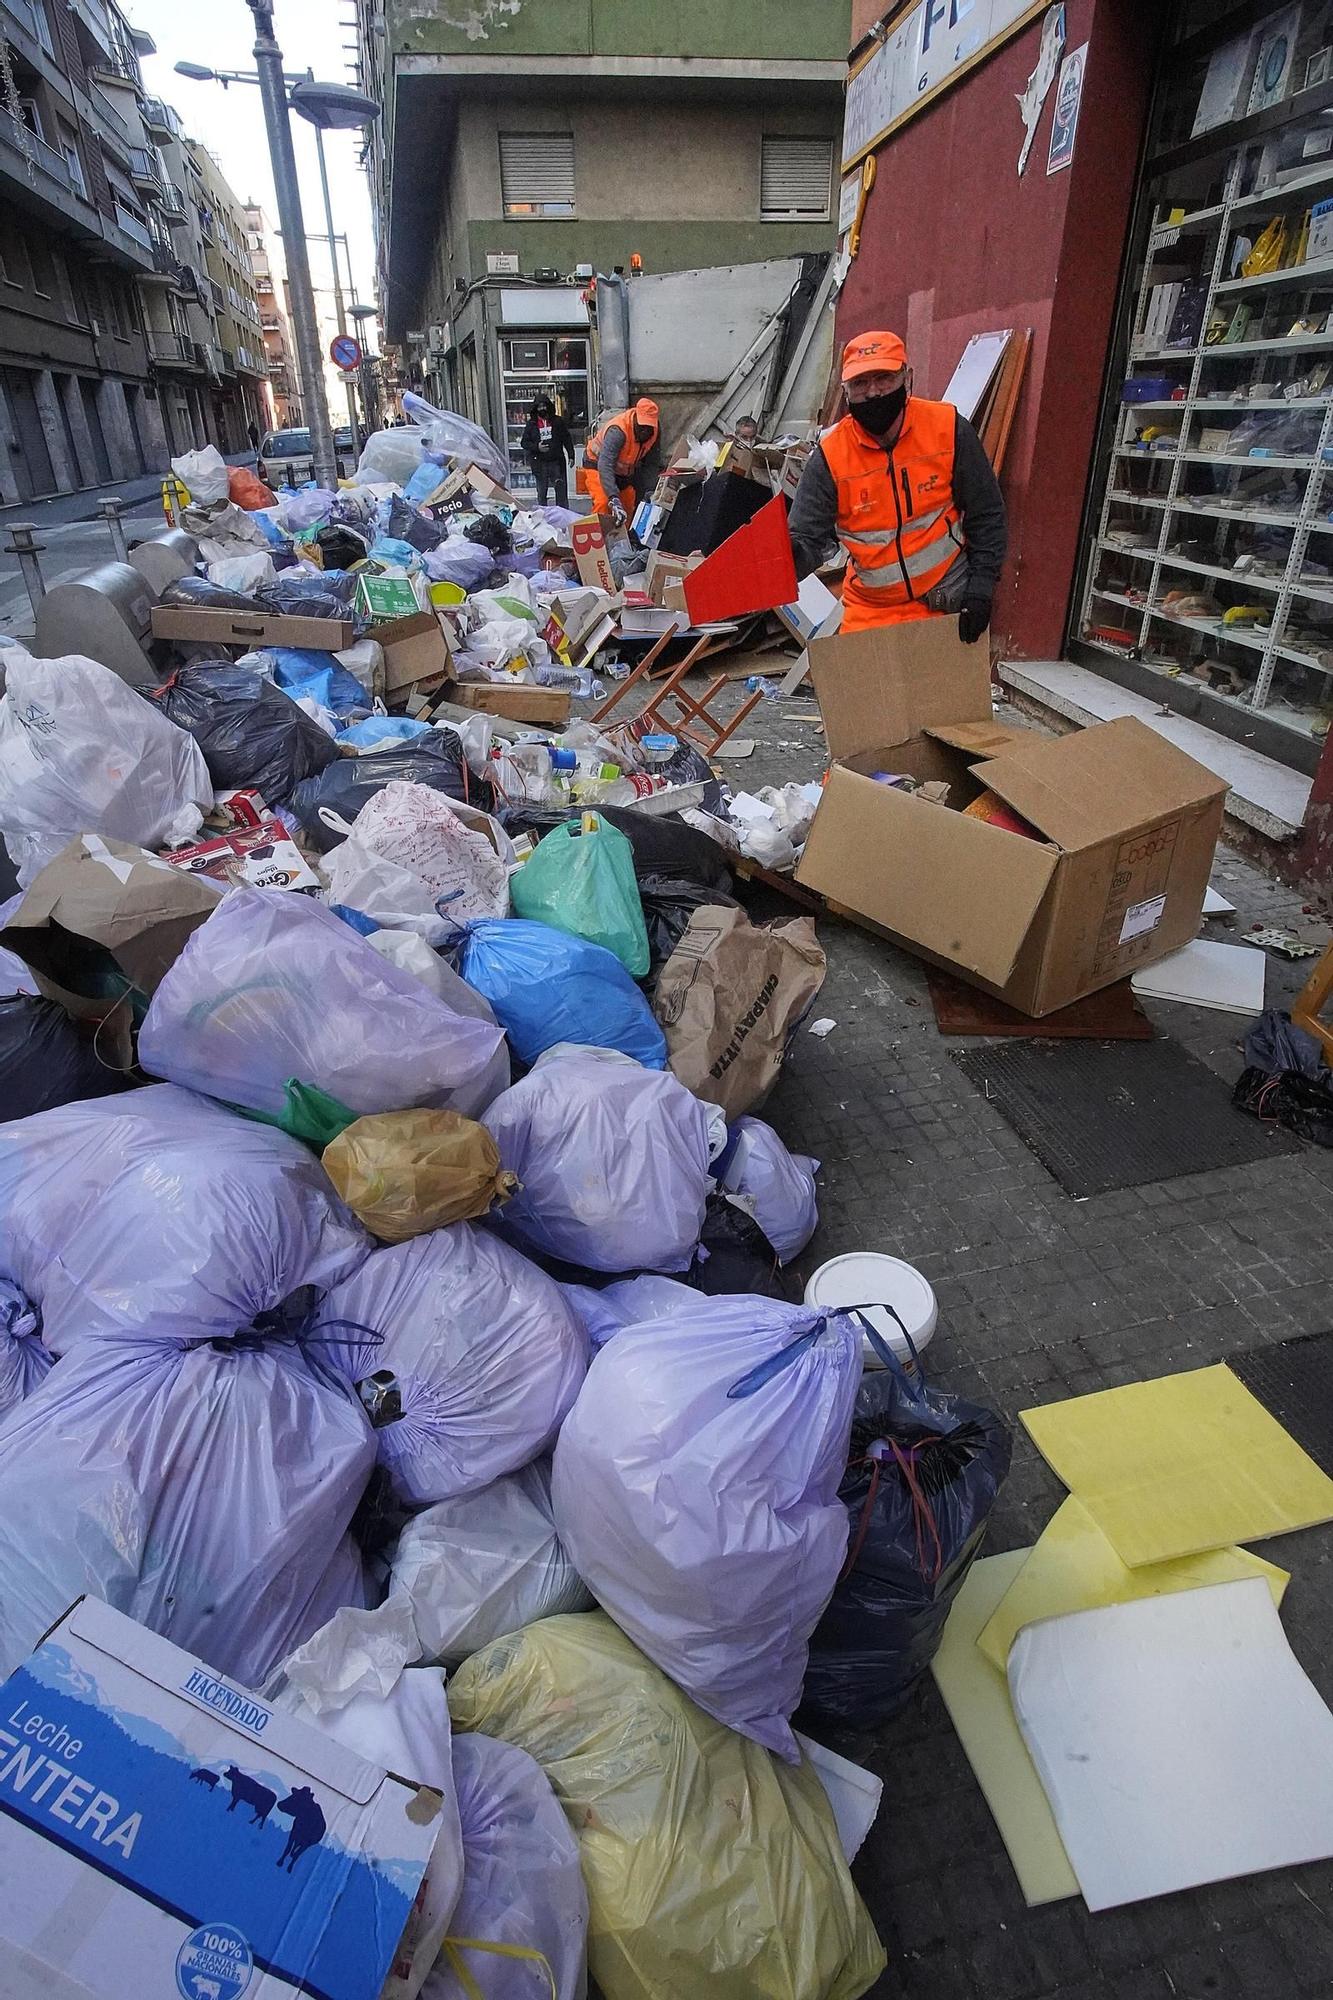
<point x="396" y="1308"/>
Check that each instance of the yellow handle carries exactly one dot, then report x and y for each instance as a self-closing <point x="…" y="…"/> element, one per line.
<point x="456" y="1946"/>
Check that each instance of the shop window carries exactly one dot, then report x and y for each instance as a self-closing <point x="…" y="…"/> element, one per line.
<point x="537" y="173"/>
<point x="795" y="179"/>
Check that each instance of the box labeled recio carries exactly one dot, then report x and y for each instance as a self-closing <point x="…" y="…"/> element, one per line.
<point x="166" y="1834"/>
<point x="1083" y="857"/>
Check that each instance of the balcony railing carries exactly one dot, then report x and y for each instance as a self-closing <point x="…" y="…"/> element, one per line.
<point x="51" y="163"/>
<point x="143" y="167"/>
<point x="219" y="296"/>
<point x="227" y="361"/>
<point x="117" y="63"/>
<point x="109" y="116"/>
<point x="159" y="117"/>
<point x="173" y="350"/>
<point x="133" y="228"/>
<point x="171" y="204"/>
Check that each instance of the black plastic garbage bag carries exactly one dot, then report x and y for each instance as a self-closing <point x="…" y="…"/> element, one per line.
<point x="340" y="546"/>
<point x="734" y="1255"/>
<point x="309" y="593"/>
<point x="435" y="760"/>
<point x="410" y="525"/>
<point x="923" y="1472"/>
<point x="490" y="531"/>
<point x="1304" y="1104"/>
<point x="1274" y="1043"/>
<point x="669" y="901"/>
<point x="251" y="732"/>
<point x="44" y="1061"/>
<point x="198" y="594"/>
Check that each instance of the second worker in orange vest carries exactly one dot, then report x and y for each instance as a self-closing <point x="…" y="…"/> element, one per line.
<point x="619" y="459"/>
<point x="906" y="487"/>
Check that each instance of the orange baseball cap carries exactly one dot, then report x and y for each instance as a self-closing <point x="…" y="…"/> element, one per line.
<point x="872" y="354"/>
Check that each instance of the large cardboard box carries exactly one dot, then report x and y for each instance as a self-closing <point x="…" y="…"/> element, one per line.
<point x="416" y="651"/>
<point x="247" y="629"/>
<point x="1128" y="824"/>
<point x="165" y="1833"/>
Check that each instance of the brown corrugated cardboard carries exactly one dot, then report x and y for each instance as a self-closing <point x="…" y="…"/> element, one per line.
<point x="662" y="571"/>
<point x="247" y="629"/>
<point x="520" y="702"/>
<point x="416" y="651"/>
<point x="1129" y="824"/>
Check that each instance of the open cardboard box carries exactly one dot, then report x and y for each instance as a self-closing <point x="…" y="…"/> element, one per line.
<point x="518" y="701"/>
<point x="1129" y="824"/>
<point x="416" y="651"/>
<point x="248" y="629"/>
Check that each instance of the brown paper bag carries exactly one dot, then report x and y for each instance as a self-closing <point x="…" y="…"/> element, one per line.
<point x="101" y="917"/>
<point x="728" y="998"/>
<point x="404" y="1172"/>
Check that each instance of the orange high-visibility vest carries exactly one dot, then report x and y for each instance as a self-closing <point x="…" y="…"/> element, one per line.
<point x="630" y="452"/>
<point x="897" y="517"/>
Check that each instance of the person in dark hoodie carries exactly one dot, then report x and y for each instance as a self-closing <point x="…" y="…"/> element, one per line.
<point x="546" y="445"/>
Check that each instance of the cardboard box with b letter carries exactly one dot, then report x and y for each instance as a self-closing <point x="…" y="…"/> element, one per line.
<point x="1121" y="826"/>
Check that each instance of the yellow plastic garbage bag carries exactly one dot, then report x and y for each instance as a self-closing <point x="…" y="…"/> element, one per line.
<point x="406" y="1172"/>
<point x="713" y="1869"/>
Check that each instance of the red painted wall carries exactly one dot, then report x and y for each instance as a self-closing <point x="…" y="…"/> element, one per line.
<point x="954" y="243"/>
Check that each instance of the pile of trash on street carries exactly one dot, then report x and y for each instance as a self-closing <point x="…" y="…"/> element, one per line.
<point x="426" y="1504"/>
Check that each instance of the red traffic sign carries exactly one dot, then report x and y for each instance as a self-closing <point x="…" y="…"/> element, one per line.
<point x="345" y="352"/>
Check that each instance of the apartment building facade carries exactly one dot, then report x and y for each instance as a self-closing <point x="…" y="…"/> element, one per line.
<point x="286" y="403"/>
<point x="112" y="354"/>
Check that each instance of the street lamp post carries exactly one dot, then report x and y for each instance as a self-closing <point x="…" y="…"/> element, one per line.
<point x="287" y="189"/>
<point x="328" y="107"/>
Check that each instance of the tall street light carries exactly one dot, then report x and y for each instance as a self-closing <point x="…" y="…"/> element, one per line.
<point x="328" y="106"/>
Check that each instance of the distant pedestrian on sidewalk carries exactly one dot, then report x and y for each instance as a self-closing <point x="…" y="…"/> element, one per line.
<point x="547" y="445"/>
<point x="253" y="434"/>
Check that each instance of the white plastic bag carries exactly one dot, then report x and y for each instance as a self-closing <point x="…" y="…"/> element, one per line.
<point x="774" y="1186"/>
<point x="612" y="1159"/>
<point x="380" y="887"/>
<point x="458" y="436"/>
<point x="418" y="829"/>
<point x="231" y="531"/>
<point x="352" y="1681"/>
<point x="274" y="987"/>
<point x="365" y="661"/>
<point x="205" y="1490"/>
<point x="157" y="1216"/>
<point x="244" y="573"/>
<point x="82" y="752"/>
<point x="696" y="1492"/>
<point x="203" y="474"/>
<point x="469" y="1350"/>
<point x="523" y="1892"/>
<point x="484" y="1564"/>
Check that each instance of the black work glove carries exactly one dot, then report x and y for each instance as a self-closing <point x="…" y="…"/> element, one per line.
<point x="973" y="619"/>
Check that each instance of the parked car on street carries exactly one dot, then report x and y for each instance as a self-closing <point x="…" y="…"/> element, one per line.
<point x="286" y="457"/>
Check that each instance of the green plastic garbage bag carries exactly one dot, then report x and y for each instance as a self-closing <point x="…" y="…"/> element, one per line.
<point x="581" y="880"/>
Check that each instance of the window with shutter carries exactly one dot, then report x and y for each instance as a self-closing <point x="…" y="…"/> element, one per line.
<point x="537" y="173"/>
<point x="795" y="180"/>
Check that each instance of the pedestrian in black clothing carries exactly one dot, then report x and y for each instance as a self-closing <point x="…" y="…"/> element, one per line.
<point x="546" y="445"/>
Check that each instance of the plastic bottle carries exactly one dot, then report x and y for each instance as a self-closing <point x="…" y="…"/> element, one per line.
<point x="622" y="789"/>
<point x="524" y="773"/>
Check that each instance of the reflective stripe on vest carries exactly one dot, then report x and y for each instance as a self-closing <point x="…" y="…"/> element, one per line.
<point x="897" y="517"/>
<point x="632" y="450"/>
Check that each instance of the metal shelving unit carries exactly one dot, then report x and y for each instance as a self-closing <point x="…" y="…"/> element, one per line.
<point x="1194" y="508"/>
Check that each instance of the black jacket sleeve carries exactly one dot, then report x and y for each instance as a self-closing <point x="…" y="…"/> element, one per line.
<point x="564" y="443"/>
<point x="813" y="521"/>
<point x="981" y="504"/>
<point x="527" y="444"/>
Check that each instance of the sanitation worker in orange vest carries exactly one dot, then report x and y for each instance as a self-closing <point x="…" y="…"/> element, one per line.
<point x="907" y="489"/>
<point x="619" y="458"/>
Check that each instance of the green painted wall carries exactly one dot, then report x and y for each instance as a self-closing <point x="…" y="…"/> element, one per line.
<point x="762" y="30"/>
<point x="664" y="246"/>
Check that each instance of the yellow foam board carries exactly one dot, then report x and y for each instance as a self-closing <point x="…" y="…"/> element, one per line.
<point x="1074" y="1568"/>
<point x="977" y="1698"/>
<point x="1182" y="1464"/>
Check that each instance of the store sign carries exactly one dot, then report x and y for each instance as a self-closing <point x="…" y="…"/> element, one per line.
<point x="929" y="48"/>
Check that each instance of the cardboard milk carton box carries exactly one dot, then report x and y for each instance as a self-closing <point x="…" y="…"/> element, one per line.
<point x="167" y="1835"/>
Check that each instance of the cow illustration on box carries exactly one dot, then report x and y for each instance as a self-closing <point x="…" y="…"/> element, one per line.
<point x="300" y="1806"/>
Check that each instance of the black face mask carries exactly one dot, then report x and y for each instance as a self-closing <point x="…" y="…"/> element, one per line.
<point x="878" y="414"/>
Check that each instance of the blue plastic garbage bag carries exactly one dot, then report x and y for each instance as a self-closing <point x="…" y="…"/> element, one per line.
<point x="612" y="1160"/>
<point x="696" y="1493"/>
<point x="24" y="1362"/>
<point x="547" y="986"/>
<point x="483" y="1357"/>
<point x="373" y="729"/>
<point x="921" y="1480"/>
<point x="274" y="987"/>
<point x="204" y="1490"/>
<point x="303" y="671"/>
<point x="157" y="1215"/>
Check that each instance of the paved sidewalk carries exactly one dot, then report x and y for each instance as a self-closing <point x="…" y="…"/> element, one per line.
<point x="82" y="506"/>
<point x="1043" y="1297"/>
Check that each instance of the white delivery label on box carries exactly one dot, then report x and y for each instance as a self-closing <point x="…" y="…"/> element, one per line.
<point x="166" y="1834"/>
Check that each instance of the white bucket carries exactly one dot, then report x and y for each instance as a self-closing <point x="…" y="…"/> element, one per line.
<point x="869" y="1278"/>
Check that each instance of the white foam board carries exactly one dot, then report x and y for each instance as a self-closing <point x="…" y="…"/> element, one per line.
<point x="1178" y="1739"/>
<point x="1205" y="974"/>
